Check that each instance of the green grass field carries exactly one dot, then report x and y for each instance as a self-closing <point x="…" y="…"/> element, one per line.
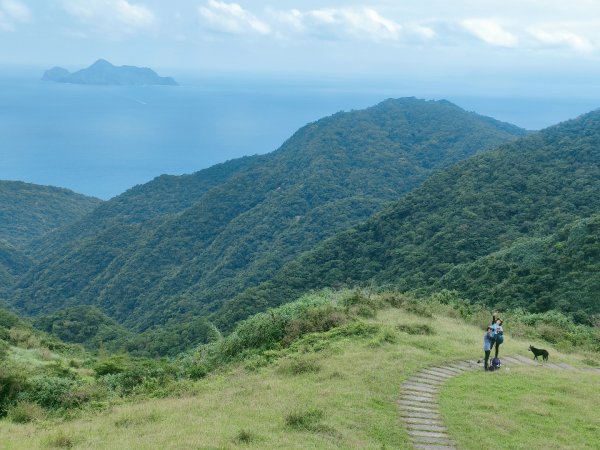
<point x="523" y="408"/>
<point x="337" y="389"/>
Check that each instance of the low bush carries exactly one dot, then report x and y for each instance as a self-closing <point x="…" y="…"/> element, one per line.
<point x="416" y="329"/>
<point x="299" y="365"/>
<point x="245" y="437"/>
<point x="12" y="382"/>
<point x="24" y="412"/>
<point x="50" y="392"/>
<point x="305" y="420"/>
<point x="61" y="440"/>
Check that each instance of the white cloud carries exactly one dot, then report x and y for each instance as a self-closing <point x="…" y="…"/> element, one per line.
<point x="357" y="22"/>
<point x="114" y="17"/>
<point x="231" y="18"/>
<point x="490" y="31"/>
<point x="13" y="12"/>
<point x="563" y="39"/>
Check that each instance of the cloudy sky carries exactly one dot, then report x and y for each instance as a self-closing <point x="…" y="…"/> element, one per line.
<point x="459" y="38"/>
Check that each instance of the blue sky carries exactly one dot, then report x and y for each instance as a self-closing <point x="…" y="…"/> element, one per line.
<point x="465" y="38"/>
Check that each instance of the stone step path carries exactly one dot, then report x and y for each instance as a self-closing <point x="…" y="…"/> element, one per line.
<point x="419" y="406"/>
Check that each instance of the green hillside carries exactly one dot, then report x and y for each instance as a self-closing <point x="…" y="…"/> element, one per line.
<point x="321" y="372"/>
<point x="146" y="263"/>
<point x="561" y="271"/>
<point x="530" y="188"/>
<point x="165" y="195"/>
<point x="13" y="264"/>
<point x="29" y="211"/>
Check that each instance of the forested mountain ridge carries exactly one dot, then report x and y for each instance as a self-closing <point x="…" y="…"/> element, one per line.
<point x="330" y="175"/>
<point x="530" y="188"/>
<point x="163" y="196"/>
<point x="29" y="211"/>
<point x="560" y="271"/>
<point x="13" y="263"/>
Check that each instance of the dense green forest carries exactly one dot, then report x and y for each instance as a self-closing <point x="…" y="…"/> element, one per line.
<point x="179" y="246"/>
<point x="531" y="188"/>
<point x="561" y="271"/>
<point x="29" y="211"/>
<point x="13" y="264"/>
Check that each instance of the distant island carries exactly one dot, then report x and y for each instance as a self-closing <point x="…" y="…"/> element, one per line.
<point x="104" y="73"/>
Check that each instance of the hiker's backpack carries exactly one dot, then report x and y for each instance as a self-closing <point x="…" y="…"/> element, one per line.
<point x="499" y="338"/>
<point x="495" y="364"/>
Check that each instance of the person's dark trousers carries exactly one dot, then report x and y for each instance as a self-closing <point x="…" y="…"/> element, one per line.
<point x="497" y="346"/>
<point x="487" y="358"/>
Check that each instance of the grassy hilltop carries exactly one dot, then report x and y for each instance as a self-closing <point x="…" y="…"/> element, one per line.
<point x="321" y="372"/>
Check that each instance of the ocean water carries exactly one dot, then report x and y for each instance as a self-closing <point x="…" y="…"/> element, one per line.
<point x="101" y="141"/>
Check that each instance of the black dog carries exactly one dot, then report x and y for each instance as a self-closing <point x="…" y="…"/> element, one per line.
<point x="539" y="352"/>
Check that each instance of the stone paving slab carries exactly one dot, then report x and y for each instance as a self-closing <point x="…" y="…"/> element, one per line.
<point x="421" y="421"/>
<point x="432" y="447"/>
<point x="419" y="387"/>
<point x="428" y="434"/>
<point x="446" y="371"/>
<point x="420" y="415"/>
<point x="427" y="427"/>
<point x="419" y="396"/>
<point x="409" y="408"/>
<point x="512" y="360"/>
<point x="527" y="361"/>
<point x="435" y="373"/>
<point x="426" y="378"/>
<point x="431" y="405"/>
<point x="566" y="366"/>
<point x="450" y="369"/>
<point x="433" y="441"/>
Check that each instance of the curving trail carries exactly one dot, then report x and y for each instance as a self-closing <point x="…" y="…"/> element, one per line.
<point x="419" y="400"/>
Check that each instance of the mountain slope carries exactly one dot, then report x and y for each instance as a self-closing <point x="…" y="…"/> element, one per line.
<point x="330" y="175"/>
<point x="28" y="211"/>
<point x="13" y="264"/>
<point x="561" y="271"/>
<point x="531" y="187"/>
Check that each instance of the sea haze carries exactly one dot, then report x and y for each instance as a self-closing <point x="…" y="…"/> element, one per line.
<point x="102" y="140"/>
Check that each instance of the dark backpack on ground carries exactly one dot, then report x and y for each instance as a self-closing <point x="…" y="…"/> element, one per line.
<point x="495" y="365"/>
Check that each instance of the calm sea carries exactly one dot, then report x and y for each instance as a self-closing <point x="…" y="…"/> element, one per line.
<point x="103" y="140"/>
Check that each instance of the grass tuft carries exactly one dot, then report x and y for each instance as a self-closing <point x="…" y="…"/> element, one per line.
<point x="61" y="440"/>
<point x="245" y="437"/>
<point x="131" y="421"/>
<point x="416" y="329"/>
<point x="299" y="365"/>
<point x="306" y="420"/>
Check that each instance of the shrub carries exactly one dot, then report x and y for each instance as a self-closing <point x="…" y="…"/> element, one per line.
<point x="3" y="349"/>
<point x="12" y="382"/>
<point x="24" y="412"/>
<point x="309" y="419"/>
<point x="112" y="365"/>
<point x="299" y="365"/>
<point x="416" y="329"/>
<point x="61" y="440"/>
<point x="393" y="299"/>
<point x="385" y="335"/>
<point x="129" y="420"/>
<point x="418" y="308"/>
<point x="48" y="391"/>
<point x="244" y="437"/>
<point x="319" y="319"/>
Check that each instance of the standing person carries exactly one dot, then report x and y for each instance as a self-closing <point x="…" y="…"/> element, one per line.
<point x="487" y="346"/>
<point x="497" y="333"/>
